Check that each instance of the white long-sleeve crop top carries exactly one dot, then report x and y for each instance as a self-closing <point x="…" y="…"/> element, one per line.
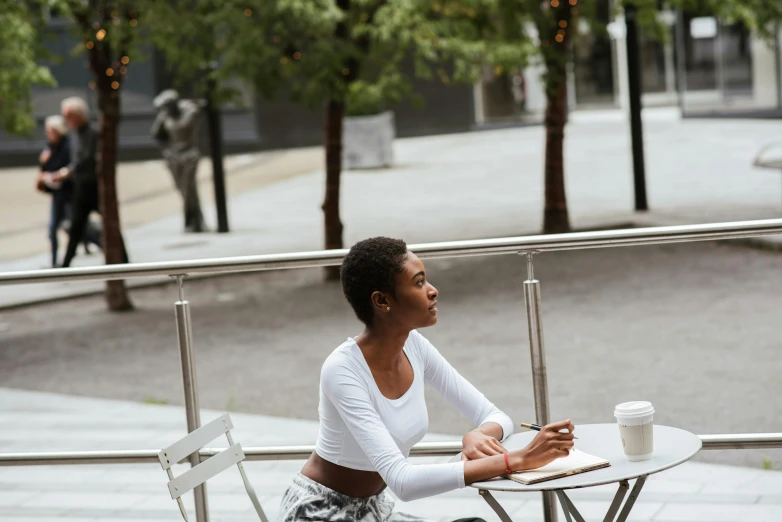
<point x="362" y="429"/>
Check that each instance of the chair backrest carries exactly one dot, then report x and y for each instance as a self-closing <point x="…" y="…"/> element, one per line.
<point x="207" y="469"/>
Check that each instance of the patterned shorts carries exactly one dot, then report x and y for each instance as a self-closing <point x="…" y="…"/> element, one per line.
<point x="307" y="500"/>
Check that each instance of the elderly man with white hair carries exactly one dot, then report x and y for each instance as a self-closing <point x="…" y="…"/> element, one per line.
<point x="54" y="157"/>
<point x="82" y="170"/>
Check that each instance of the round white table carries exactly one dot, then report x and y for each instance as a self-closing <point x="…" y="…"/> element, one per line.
<point x="672" y="447"/>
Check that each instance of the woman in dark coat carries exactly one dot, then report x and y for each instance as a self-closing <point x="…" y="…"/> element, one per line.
<point x="55" y="156"/>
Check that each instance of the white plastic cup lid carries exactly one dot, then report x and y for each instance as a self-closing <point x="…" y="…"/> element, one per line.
<point x="629" y="410"/>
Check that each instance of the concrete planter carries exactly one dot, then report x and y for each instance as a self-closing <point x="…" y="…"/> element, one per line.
<point x="368" y="141"/>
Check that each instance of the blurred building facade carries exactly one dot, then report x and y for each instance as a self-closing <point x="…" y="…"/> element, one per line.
<point x="705" y="66"/>
<point x="257" y="124"/>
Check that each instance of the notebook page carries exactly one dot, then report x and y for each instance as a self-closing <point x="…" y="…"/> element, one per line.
<point x="577" y="460"/>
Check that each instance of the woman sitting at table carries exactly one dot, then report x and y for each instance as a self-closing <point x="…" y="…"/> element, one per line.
<point x="372" y="408"/>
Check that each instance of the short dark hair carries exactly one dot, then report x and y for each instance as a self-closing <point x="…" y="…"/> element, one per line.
<point x="371" y="266"/>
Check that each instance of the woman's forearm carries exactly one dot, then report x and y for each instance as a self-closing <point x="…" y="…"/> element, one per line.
<point x="491" y="429"/>
<point x="490" y="467"/>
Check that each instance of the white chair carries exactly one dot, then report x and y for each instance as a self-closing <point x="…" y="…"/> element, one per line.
<point x="207" y="469"/>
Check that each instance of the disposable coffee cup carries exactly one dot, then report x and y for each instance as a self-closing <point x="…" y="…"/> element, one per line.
<point x="636" y="428"/>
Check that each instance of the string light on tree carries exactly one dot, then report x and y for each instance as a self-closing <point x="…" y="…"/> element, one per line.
<point x="554" y="3"/>
<point x="109" y="72"/>
<point x="100" y="35"/>
<point x="133" y="22"/>
<point x="559" y="38"/>
<point x="89" y="45"/>
<point x="563" y="23"/>
<point x="115" y="85"/>
<point x="248" y="12"/>
<point x="123" y="70"/>
<point x="573" y="2"/>
<point x="297" y="55"/>
<point x="125" y="60"/>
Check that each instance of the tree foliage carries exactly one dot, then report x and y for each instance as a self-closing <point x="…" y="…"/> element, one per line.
<point x="354" y="51"/>
<point x="21" y="54"/>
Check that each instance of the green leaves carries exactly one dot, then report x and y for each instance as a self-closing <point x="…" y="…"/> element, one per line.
<point x="19" y="68"/>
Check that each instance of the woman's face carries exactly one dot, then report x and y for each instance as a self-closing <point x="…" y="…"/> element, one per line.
<point x="52" y="136"/>
<point x="415" y="305"/>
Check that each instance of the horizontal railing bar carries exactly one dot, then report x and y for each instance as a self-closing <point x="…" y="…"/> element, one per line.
<point x="261" y="453"/>
<point x="508" y="245"/>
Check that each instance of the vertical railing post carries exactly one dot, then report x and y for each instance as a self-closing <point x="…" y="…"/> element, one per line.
<point x="538" y="359"/>
<point x="184" y="332"/>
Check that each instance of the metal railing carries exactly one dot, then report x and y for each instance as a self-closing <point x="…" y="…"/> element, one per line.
<point x="523" y="245"/>
<point x="267" y="453"/>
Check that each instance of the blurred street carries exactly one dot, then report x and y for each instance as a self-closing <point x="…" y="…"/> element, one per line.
<point x="448" y="187"/>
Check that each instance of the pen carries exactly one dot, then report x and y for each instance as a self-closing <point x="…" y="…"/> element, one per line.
<point x="535" y="427"/>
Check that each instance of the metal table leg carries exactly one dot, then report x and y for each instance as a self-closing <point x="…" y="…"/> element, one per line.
<point x="487" y="496"/>
<point x="639" y="484"/>
<point x="568" y="507"/>
<point x="617" y="503"/>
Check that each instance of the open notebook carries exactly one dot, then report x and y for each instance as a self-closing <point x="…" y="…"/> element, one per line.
<point x="576" y="462"/>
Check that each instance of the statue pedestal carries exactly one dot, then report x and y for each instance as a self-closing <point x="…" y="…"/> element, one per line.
<point x="368" y="141"/>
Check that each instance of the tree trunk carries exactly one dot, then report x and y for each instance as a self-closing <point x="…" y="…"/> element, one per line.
<point x="555" y="215"/>
<point x="214" y="127"/>
<point x="113" y="244"/>
<point x="335" y="111"/>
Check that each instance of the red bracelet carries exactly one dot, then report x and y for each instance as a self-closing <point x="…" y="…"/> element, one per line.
<point x="507" y="464"/>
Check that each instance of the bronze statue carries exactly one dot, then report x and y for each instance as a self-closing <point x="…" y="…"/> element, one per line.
<point x="176" y="131"/>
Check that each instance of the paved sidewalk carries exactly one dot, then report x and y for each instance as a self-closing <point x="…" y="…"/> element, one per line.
<point x="146" y="192"/>
<point x="34" y="421"/>
<point x="474" y="185"/>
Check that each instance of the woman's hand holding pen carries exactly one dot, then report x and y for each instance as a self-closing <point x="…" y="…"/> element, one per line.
<point x="552" y="442"/>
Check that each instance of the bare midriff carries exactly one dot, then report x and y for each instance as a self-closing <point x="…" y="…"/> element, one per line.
<point x="351" y="482"/>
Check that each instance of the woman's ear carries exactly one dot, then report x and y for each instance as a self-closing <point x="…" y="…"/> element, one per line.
<point x="380" y="302"/>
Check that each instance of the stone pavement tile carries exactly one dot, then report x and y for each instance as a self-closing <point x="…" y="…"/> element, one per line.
<point x="766" y="483"/>
<point x="218" y="502"/>
<point x="32" y="511"/>
<point x="63" y="518"/>
<point x="77" y="499"/>
<point x="700" y="498"/>
<point x="697" y="472"/>
<point x="15" y="498"/>
<point x="31" y="475"/>
<point x="719" y="513"/>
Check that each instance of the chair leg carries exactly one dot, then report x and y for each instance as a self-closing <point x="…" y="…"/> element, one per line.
<point x="251" y="493"/>
<point x="182" y="509"/>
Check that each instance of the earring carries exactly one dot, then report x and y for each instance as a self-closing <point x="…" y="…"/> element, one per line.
<point x="388" y="308"/>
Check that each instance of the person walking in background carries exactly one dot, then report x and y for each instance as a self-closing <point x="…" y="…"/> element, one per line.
<point x="55" y="156"/>
<point x="82" y="170"/>
<point x="176" y="131"/>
